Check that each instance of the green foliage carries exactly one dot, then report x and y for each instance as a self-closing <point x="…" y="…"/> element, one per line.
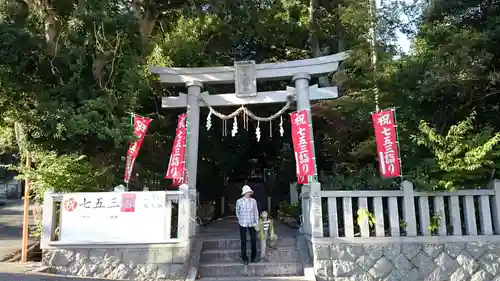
<point x="403" y="225"/>
<point x="362" y="179"/>
<point x="60" y="173"/>
<point x="291" y="210"/>
<point x="7" y="138"/>
<point x="451" y="72"/>
<point x="365" y="215"/>
<point x="72" y="76"/>
<point x="462" y="157"/>
<point x="435" y="223"/>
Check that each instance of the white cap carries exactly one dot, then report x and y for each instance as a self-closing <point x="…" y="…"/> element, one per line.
<point x="246" y="189"/>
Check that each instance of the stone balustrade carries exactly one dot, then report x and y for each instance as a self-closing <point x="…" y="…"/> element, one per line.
<point x="403" y="234"/>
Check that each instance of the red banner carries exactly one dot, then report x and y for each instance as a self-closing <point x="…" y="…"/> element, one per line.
<point x="177" y="164"/>
<point x="387" y="144"/>
<point x="302" y="146"/>
<point x="141" y="125"/>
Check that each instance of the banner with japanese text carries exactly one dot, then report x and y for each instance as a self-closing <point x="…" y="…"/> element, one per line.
<point x="141" y="125"/>
<point x="302" y="146"/>
<point x="177" y="163"/>
<point x="384" y="124"/>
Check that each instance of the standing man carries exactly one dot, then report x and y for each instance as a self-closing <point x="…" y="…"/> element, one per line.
<point x="247" y="213"/>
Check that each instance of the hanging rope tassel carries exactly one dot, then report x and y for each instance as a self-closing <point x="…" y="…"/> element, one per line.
<point x="235" y="127"/>
<point x="209" y="121"/>
<point x="244" y="125"/>
<point x="257" y="131"/>
<point x="281" y="126"/>
<point x="270" y="129"/>
<point x="224" y="127"/>
<point x="246" y="119"/>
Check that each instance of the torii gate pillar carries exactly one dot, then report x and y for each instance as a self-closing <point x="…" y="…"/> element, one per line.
<point x="301" y="81"/>
<point x="193" y="120"/>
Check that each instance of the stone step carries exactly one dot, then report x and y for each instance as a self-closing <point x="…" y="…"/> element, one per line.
<point x="226" y="230"/>
<point x="234" y="243"/>
<point x="237" y="269"/>
<point x="231" y="255"/>
<point x="256" y="278"/>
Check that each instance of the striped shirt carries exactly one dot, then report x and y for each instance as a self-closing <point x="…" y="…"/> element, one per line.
<point x="265" y="226"/>
<point x="247" y="212"/>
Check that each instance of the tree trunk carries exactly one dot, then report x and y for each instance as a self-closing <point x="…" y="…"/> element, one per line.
<point x="146" y="19"/>
<point x="313" y="28"/>
<point x="44" y="9"/>
<point x="314" y="39"/>
<point x="81" y="6"/>
<point x="51" y="32"/>
<point x="147" y="25"/>
<point x="339" y="28"/>
<point x="136" y="7"/>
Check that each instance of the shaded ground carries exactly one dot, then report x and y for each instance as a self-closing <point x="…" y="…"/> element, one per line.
<point x="11" y="221"/>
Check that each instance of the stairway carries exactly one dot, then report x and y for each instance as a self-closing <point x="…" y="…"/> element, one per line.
<point x="221" y="257"/>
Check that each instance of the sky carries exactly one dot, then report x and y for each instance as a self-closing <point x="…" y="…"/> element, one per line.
<point x="402" y="40"/>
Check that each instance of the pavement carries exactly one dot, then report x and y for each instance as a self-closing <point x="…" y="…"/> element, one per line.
<point x="11" y="227"/>
<point x="43" y="277"/>
<point x="18" y="267"/>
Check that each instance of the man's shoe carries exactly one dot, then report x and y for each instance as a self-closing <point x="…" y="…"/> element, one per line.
<point x="245" y="262"/>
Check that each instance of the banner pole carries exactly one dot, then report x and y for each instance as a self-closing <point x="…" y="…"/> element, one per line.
<point x="311" y="132"/>
<point x="129" y="160"/>
<point x="397" y="142"/>
<point x="188" y="132"/>
<point x="24" y="249"/>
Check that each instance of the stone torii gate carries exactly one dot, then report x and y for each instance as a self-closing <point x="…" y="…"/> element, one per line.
<point x="244" y="75"/>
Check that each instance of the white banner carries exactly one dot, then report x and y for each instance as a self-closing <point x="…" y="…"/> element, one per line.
<point x="116" y="217"/>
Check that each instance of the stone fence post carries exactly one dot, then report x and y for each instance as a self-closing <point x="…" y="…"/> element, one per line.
<point x="495" y="204"/>
<point x="48" y="219"/>
<point x="183" y="217"/>
<point x="409" y="209"/>
<point x="315" y="212"/>
<point x="305" y="209"/>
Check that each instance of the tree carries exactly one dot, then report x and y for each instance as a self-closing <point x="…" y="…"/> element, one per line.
<point x="465" y="156"/>
<point x="71" y="72"/>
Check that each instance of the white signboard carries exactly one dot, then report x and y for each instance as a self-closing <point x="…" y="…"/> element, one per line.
<point x="115" y="217"/>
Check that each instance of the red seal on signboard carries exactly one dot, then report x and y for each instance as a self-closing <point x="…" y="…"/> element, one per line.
<point x="128" y="203"/>
<point x="70" y="204"/>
